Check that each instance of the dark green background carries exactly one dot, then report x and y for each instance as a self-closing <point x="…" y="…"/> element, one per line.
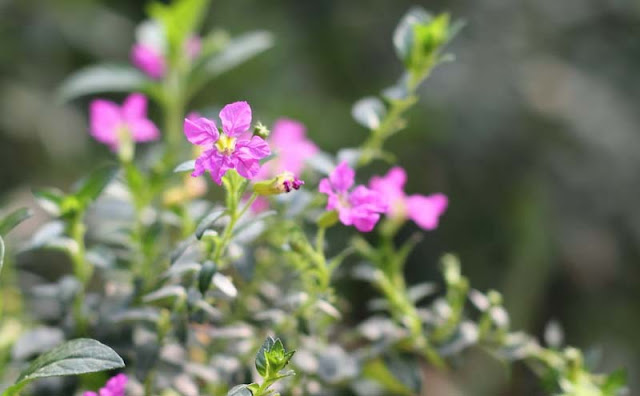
<point x="533" y="133"/>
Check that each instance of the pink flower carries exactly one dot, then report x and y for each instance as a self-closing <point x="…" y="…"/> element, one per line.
<point x="293" y="148"/>
<point x="231" y="149"/>
<point x="360" y="207"/>
<point x="149" y="60"/>
<point x="108" y="121"/>
<point x="114" y="387"/>
<point x="425" y="211"/>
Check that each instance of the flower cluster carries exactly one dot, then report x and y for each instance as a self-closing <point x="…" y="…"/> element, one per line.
<point x="114" y="387"/>
<point x="425" y="211"/>
<point x="360" y="207"/>
<point x="232" y="148"/>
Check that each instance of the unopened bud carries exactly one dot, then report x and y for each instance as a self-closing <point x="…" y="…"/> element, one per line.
<point x="281" y="184"/>
<point x="261" y="131"/>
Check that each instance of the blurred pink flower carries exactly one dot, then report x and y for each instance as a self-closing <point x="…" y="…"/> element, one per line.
<point x="360" y="207"/>
<point x="425" y="211"/>
<point x="193" y="46"/>
<point x="229" y="149"/>
<point x="149" y="60"/>
<point x="108" y="121"/>
<point x="114" y="387"/>
<point x="289" y="140"/>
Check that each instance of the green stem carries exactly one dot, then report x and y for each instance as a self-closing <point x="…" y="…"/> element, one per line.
<point x="234" y="216"/>
<point x="82" y="270"/>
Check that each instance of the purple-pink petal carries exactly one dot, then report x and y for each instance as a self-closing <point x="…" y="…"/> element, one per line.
<point x="134" y="107"/>
<point x="114" y="387"/>
<point x="342" y="177"/>
<point x="143" y="130"/>
<point x="236" y="118"/>
<point x="147" y="59"/>
<point x="364" y="220"/>
<point x="361" y="196"/>
<point x="105" y="119"/>
<point x="425" y="211"/>
<point x="200" y="131"/>
<point x="255" y="147"/>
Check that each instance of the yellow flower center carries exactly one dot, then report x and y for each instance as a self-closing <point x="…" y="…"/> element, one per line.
<point x="226" y="144"/>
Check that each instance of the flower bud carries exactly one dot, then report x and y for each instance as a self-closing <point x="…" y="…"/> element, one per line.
<point x="261" y="131"/>
<point x="283" y="183"/>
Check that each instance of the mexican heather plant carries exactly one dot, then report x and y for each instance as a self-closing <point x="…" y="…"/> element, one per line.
<point x="191" y="291"/>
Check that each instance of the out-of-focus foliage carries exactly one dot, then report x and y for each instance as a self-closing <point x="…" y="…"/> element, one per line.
<point x="532" y="133"/>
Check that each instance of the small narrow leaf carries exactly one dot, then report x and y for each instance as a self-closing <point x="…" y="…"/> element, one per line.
<point x="369" y="112"/>
<point x="50" y="199"/>
<point x="205" y="276"/>
<point x="89" y="188"/>
<point x="14" y="218"/>
<point x="240" y="390"/>
<point x="239" y="50"/>
<point x="403" y="37"/>
<point x="261" y="357"/>
<point x="101" y="78"/>
<point x="186" y="166"/>
<point x="1" y="253"/>
<point x="208" y="222"/>
<point x="75" y="357"/>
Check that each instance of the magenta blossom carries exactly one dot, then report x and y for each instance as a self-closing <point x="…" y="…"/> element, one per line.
<point x="114" y="387"/>
<point x="425" y="211"/>
<point x="109" y="122"/>
<point x="231" y="149"/>
<point x="360" y="207"/>
<point x="149" y="60"/>
<point x="292" y="146"/>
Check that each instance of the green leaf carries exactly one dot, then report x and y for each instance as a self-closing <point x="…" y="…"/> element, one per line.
<point x="262" y="364"/>
<point x="209" y="221"/>
<point x="186" y="166"/>
<point x="75" y="357"/>
<point x="369" y="112"/>
<point x="89" y="188"/>
<point x="614" y="383"/>
<point x="166" y="293"/>
<point x="10" y="221"/>
<point x="237" y="51"/>
<point x="180" y="20"/>
<point x="403" y="37"/>
<point x="50" y="199"/>
<point x="205" y="276"/>
<point x="378" y="371"/>
<point x="240" y="390"/>
<point x="101" y="78"/>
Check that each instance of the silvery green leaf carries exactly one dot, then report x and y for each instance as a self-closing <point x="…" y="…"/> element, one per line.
<point x="101" y="78"/>
<point x="187" y="166"/>
<point x="553" y="334"/>
<point x="11" y="220"/>
<point x="74" y="357"/>
<point x="225" y="285"/>
<point x="466" y="335"/>
<point x="209" y="221"/>
<point x="151" y="34"/>
<point x="146" y="314"/>
<point x="240" y="390"/>
<point x="403" y="37"/>
<point x="421" y="290"/>
<point x="329" y="309"/>
<point x="479" y="299"/>
<point x="239" y="50"/>
<point x="350" y="155"/>
<point x="170" y="291"/>
<point x="1" y="253"/>
<point x="369" y="112"/>
<point x="181" y="268"/>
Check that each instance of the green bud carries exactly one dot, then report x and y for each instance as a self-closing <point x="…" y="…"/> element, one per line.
<point x="281" y="184"/>
<point x="261" y="131"/>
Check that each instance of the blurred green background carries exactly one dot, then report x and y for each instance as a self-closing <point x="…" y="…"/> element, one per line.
<point x="533" y="132"/>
